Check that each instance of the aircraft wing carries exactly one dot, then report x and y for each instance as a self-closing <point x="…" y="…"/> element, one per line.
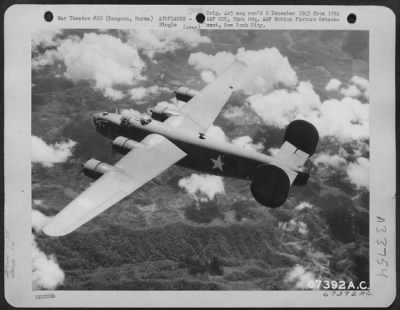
<point x="135" y="169"/>
<point x="301" y="140"/>
<point x="201" y="111"/>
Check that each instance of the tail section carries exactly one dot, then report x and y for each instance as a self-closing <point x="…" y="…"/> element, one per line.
<point x="271" y="182"/>
<point x="302" y="135"/>
<point x="270" y="186"/>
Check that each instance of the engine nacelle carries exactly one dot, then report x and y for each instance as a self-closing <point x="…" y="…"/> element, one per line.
<point x="161" y="113"/>
<point x="94" y="168"/>
<point x="123" y="145"/>
<point x="270" y="186"/>
<point x="185" y="93"/>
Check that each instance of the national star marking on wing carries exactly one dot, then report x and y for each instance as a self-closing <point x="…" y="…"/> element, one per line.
<point x="217" y="163"/>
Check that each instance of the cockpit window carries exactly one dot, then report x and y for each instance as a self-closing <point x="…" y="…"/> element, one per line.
<point x="105" y="113"/>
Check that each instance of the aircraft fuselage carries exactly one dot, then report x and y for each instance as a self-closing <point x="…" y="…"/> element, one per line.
<point x="203" y="153"/>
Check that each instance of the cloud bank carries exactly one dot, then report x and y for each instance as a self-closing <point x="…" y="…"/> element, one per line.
<point x="204" y="185"/>
<point x="140" y="93"/>
<point x="216" y="133"/>
<point x="46" y="273"/>
<point x="99" y="58"/>
<point x="333" y="85"/>
<point x="358" y="172"/>
<point x="266" y="68"/>
<point x="327" y="160"/>
<point x="346" y="119"/>
<point x="45" y="38"/>
<point x="153" y="41"/>
<point x="48" y="155"/>
<point x="300" y="278"/>
<point x="356" y="87"/>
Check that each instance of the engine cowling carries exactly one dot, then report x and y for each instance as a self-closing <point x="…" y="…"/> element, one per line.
<point x="270" y="186"/>
<point x="161" y="113"/>
<point x="94" y="168"/>
<point x="185" y="93"/>
<point x="123" y="145"/>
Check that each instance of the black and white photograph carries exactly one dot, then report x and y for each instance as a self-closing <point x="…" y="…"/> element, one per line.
<point x="199" y="156"/>
<point x="199" y="160"/>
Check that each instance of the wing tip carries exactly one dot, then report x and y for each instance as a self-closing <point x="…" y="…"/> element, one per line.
<point x="52" y="230"/>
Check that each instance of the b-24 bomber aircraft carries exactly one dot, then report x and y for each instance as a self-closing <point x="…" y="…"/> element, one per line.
<point x="168" y="136"/>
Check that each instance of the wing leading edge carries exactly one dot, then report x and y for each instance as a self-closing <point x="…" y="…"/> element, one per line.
<point x="135" y="169"/>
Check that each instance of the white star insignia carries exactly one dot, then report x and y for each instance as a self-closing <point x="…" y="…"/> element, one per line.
<point x="217" y="163"/>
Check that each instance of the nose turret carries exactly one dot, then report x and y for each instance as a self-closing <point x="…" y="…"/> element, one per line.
<point x="95" y="119"/>
<point x="100" y="121"/>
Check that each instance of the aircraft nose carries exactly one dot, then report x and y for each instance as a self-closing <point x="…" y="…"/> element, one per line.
<point x="95" y="117"/>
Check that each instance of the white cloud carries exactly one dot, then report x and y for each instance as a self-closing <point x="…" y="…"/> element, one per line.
<point x="294" y="225"/>
<point x="199" y="185"/>
<point x="39" y="220"/>
<point x="333" y="84"/>
<point x="49" y="57"/>
<point x="351" y="91"/>
<point x="45" y="37"/>
<point x="234" y="112"/>
<point x="207" y="76"/>
<point x="215" y="63"/>
<point x="281" y="106"/>
<point x="152" y="41"/>
<point x="102" y="58"/>
<point x="358" y="87"/>
<point x="46" y="273"/>
<point x="216" y="133"/>
<point x="113" y="94"/>
<point x="266" y="68"/>
<point x="132" y="113"/>
<point x="358" y="172"/>
<point x="301" y="278"/>
<point x="99" y="58"/>
<point x="346" y="119"/>
<point x="360" y="82"/>
<point x="139" y="93"/>
<point x="327" y="160"/>
<point x="246" y="142"/>
<point x="303" y="205"/>
<point x="48" y="155"/>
